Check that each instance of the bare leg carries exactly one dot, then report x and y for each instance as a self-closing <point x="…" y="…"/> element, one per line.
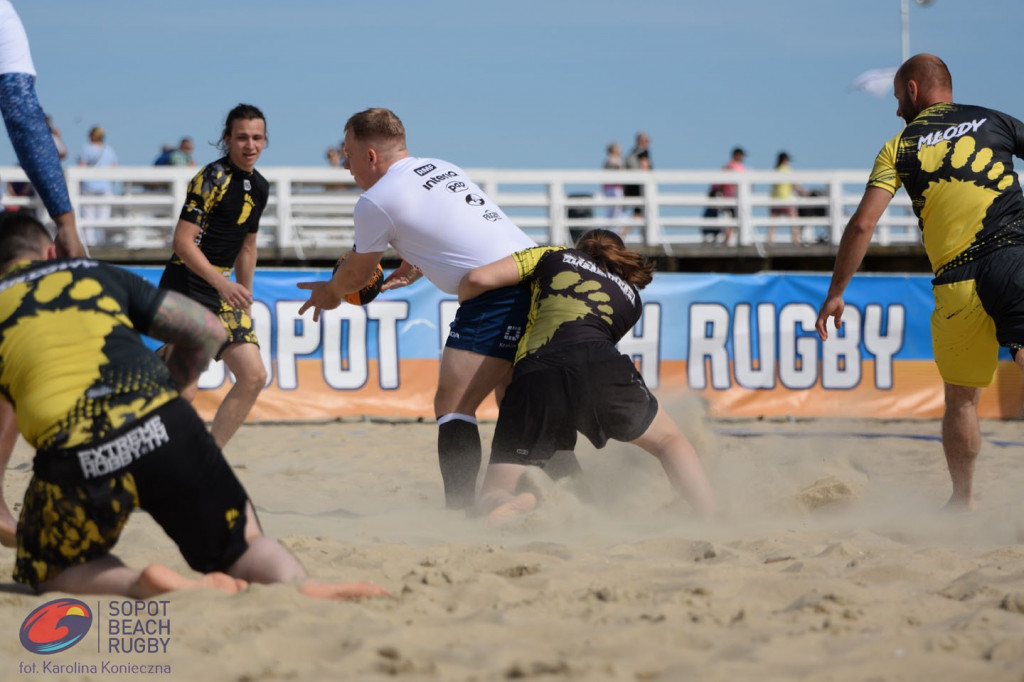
<point x="245" y="363"/>
<point x="465" y="378"/>
<point x="8" y="437"/>
<point x="109" y="576"/>
<point x="961" y="442"/>
<point x="268" y="561"/>
<point x="664" y="440"/>
<point x="157" y="579"/>
<point x="498" y="498"/>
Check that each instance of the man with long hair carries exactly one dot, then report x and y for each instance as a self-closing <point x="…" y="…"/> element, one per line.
<point x="215" y="237"/>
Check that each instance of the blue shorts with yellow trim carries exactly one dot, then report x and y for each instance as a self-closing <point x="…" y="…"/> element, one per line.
<point x="492" y="323"/>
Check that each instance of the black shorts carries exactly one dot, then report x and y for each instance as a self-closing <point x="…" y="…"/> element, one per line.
<point x="979" y="306"/>
<point x="166" y="463"/>
<point x="587" y="388"/>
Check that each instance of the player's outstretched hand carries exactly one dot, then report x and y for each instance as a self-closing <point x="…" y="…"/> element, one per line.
<point x="832" y="307"/>
<point x="320" y="298"/>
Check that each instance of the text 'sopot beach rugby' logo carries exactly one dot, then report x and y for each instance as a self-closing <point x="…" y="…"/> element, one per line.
<point x="55" y="626"/>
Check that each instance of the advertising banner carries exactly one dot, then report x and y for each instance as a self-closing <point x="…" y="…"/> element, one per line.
<point x="745" y="343"/>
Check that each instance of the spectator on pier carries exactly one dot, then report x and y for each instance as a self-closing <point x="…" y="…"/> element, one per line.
<point x="780" y="191"/>
<point x="729" y="191"/>
<point x="97" y="154"/>
<point x="639" y="158"/>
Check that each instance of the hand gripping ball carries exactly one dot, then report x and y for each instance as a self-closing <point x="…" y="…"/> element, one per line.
<point x="369" y="291"/>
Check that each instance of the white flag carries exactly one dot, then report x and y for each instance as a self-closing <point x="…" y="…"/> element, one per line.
<point x="876" y="81"/>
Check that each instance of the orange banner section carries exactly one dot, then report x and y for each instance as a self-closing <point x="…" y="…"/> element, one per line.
<point x="919" y="394"/>
<point x="316" y="401"/>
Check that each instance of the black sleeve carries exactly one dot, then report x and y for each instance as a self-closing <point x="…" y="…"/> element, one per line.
<point x="1017" y="130"/>
<point x="140" y="299"/>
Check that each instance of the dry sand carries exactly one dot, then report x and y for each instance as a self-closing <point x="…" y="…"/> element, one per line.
<point x="831" y="562"/>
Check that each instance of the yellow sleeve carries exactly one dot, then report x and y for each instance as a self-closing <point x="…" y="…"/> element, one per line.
<point x="527" y="259"/>
<point x="883" y="174"/>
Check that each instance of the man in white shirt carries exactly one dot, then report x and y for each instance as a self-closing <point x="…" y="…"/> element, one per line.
<point x="443" y="225"/>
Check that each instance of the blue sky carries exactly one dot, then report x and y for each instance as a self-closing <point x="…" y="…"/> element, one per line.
<point x="524" y="84"/>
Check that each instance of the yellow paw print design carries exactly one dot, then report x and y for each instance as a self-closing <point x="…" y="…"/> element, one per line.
<point x="555" y="310"/>
<point x="965" y="152"/>
<point x="961" y="181"/>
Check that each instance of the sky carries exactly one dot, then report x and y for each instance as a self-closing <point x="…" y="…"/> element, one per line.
<point x="526" y="84"/>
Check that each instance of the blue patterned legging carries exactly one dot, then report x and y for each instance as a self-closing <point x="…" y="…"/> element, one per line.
<point x="32" y="141"/>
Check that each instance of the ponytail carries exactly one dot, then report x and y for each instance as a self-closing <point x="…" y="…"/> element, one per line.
<point x="607" y="249"/>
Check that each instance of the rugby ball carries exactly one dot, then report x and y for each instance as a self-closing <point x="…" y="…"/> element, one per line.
<point x="369" y="291"/>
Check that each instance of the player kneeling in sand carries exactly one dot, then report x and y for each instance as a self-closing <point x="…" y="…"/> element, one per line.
<point x="111" y="433"/>
<point x="568" y="375"/>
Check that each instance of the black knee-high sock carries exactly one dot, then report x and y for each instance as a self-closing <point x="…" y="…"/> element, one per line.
<point x="459" y="454"/>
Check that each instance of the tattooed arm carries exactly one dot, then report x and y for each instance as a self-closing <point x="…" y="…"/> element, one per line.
<point x="193" y="333"/>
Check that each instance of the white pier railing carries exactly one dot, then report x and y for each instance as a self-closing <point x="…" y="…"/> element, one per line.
<point x="309" y="215"/>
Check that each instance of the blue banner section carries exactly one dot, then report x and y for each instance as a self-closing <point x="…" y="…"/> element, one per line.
<point x="698" y="307"/>
<point x="687" y="317"/>
<point x="745" y="343"/>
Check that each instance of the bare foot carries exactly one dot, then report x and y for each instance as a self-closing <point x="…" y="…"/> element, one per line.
<point x="158" y="579"/>
<point x="523" y="503"/>
<point x="958" y="504"/>
<point x="342" y="591"/>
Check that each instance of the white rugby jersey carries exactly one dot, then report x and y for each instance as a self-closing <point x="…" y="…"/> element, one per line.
<point x="14" y="53"/>
<point x="437" y="219"/>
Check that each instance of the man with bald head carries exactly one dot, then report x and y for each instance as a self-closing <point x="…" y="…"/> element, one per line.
<point x="956" y="163"/>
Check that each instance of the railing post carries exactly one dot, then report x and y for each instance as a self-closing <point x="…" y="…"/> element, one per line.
<point x="652" y="220"/>
<point x="558" y="230"/>
<point x="836" y="219"/>
<point x="285" y="225"/>
<point x="744" y="231"/>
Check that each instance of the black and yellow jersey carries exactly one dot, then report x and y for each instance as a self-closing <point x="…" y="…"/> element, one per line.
<point x="71" y="359"/>
<point x="226" y="203"/>
<point x="956" y="162"/>
<point x="572" y="300"/>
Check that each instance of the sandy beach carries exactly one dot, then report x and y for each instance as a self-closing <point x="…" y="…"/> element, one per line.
<point x="831" y="561"/>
